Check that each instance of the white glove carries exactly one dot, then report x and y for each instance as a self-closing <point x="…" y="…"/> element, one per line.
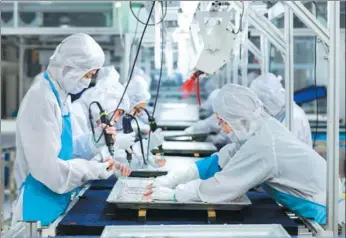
<point x="163" y="194"/>
<point x="189" y="130"/>
<point x="156" y="139"/>
<point x="176" y="177"/>
<point x="106" y="169"/>
<point x="157" y="161"/>
<point x="125" y="141"/>
<point x="145" y="129"/>
<point x="121" y="170"/>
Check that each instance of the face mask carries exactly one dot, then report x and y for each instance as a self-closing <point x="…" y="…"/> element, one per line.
<point x="82" y="84"/>
<point x="238" y="136"/>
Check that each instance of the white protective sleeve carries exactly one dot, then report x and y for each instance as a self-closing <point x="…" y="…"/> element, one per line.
<point x="40" y="136"/>
<point x="251" y="165"/>
<point x="188" y="192"/>
<point x="178" y="176"/>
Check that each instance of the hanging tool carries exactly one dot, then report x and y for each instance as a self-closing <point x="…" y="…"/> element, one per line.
<point x="104" y="120"/>
<point x="153" y="128"/>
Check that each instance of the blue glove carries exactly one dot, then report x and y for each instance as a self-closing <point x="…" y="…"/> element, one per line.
<point x="208" y="167"/>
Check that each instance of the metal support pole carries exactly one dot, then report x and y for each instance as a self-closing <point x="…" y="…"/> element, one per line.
<point x="245" y="47"/>
<point x="126" y="59"/>
<point x="235" y="68"/>
<point x="21" y="69"/>
<point x="15" y="14"/>
<point x="2" y="166"/>
<point x="289" y="66"/>
<point x="265" y="54"/>
<point x="333" y="117"/>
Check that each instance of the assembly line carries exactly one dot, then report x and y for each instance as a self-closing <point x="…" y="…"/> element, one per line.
<point x="98" y="150"/>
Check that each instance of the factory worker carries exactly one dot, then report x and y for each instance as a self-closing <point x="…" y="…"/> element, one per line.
<point x="210" y="124"/>
<point x="138" y="92"/>
<point x="45" y="170"/>
<point x="270" y="91"/>
<point x="264" y="153"/>
<point x="107" y="92"/>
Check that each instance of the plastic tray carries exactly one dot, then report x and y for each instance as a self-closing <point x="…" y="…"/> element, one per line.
<point x="129" y="193"/>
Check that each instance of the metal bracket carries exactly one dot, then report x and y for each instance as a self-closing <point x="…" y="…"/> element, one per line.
<point x="255" y="51"/>
<point x="309" y="20"/>
<point x="265" y="26"/>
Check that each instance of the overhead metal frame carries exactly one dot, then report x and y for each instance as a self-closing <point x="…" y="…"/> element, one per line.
<point x="309" y="20"/>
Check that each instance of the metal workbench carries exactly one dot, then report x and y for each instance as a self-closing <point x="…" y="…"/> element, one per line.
<point x="89" y="215"/>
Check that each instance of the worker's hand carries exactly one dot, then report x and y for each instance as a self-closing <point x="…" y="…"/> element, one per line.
<point x="156" y="139"/>
<point x="106" y="169"/>
<point x="160" y="193"/>
<point x="160" y="162"/>
<point x="145" y="129"/>
<point x="123" y="169"/>
<point x="125" y="141"/>
<point x="167" y="181"/>
<point x="109" y="130"/>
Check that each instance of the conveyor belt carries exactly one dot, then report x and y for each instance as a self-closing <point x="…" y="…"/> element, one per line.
<point x="89" y="216"/>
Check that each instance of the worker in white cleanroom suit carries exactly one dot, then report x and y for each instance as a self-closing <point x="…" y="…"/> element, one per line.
<point x="265" y="153"/>
<point x="46" y="171"/>
<point x="107" y="92"/>
<point x="270" y="91"/>
<point x="138" y="92"/>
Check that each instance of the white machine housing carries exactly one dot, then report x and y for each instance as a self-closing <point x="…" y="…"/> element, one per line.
<point x="218" y="42"/>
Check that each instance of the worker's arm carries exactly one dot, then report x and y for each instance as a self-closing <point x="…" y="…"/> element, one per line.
<point x="246" y="169"/>
<point x="40" y="131"/>
<point x="208" y="125"/>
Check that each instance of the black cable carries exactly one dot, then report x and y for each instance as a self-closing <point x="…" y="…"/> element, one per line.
<point x="134" y="37"/>
<point x="140" y="137"/>
<point x="158" y="86"/>
<point x="134" y="63"/>
<point x="241" y="19"/>
<point x="151" y="24"/>
<point x="161" y="66"/>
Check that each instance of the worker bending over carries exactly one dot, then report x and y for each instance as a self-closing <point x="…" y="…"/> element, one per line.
<point x="107" y="92"/>
<point x="264" y="153"/>
<point x="270" y="91"/>
<point x="45" y="170"/>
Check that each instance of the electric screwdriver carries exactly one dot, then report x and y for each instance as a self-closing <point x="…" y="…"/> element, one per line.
<point x="108" y="138"/>
<point x="127" y="128"/>
<point x="153" y="127"/>
<point x="104" y="119"/>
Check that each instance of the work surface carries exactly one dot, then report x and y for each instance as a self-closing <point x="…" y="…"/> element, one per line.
<point x="90" y="215"/>
<point x="187" y="148"/>
<point x="176" y="112"/>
